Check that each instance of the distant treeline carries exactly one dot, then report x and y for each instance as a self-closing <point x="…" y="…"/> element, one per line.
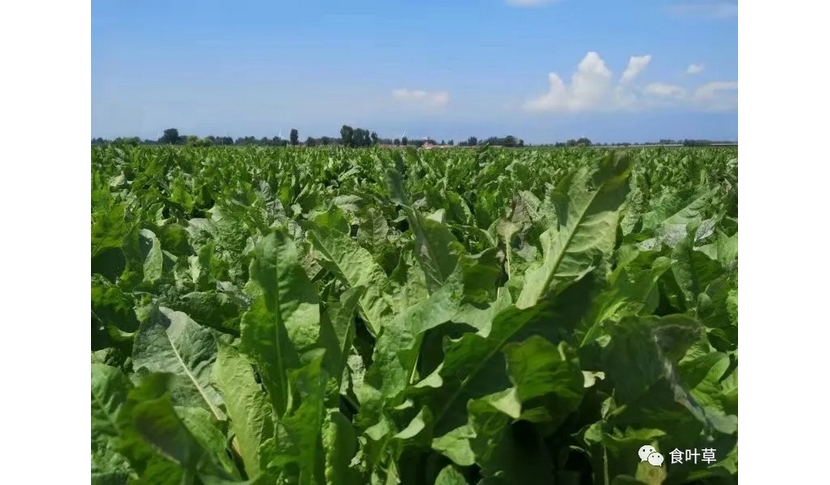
<point x="349" y="137"/>
<point x="359" y="138"/>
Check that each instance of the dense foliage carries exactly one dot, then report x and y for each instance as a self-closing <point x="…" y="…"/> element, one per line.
<point x="311" y="316"/>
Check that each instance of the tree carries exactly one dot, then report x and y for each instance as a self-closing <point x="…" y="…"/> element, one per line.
<point x="170" y="137"/>
<point x="347" y="135"/>
<point x="132" y="141"/>
<point x="309" y="142"/>
<point x="357" y="137"/>
<point x="294" y="137"/>
<point x="365" y="138"/>
<point x="374" y="137"/>
<point x="404" y="141"/>
<point x="472" y="141"/>
<point x="397" y="142"/>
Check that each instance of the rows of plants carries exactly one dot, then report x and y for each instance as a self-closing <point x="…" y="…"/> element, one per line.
<point x="290" y="316"/>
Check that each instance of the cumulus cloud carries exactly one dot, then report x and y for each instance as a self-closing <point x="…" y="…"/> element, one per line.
<point x="694" y="68"/>
<point x="636" y="65"/>
<point x="434" y="99"/>
<point x="592" y="88"/>
<point x="529" y="3"/>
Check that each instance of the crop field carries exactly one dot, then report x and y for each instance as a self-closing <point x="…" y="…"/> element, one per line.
<point x="384" y="316"/>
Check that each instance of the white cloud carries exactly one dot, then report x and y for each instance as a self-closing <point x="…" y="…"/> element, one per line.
<point x="636" y="65"/>
<point x="529" y="3"/>
<point x="592" y="88"/>
<point x="694" y="69"/>
<point x="714" y="96"/>
<point x="720" y="92"/>
<point x="435" y="99"/>
<point x="664" y="90"/>
<point x="714" y="10"/>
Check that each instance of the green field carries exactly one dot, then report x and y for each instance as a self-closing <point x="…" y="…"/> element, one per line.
<point x="382" y="316"/>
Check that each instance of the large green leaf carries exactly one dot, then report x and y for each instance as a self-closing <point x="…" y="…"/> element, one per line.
<point x="109" y="394"/>
<point x="246" y="403"/>
<point x="543" y="383"/>
<point x="284" y="320"/>
<point x="153" y="256"/>
<point x="588" y="207"/>
<point x="633" y="291"/>
<point x="507" y="453"/>
<point x="436" y="249"/>
<point x="169" y="341"/>
<point x="296" y="453"/>
<point x="374" y="231"/>
<point x="208" y="432"/>
<point x="668" y="220"/>
<point x="109" y="226"/>
<point x="450" y="476"/>
<point x="337" y="333"/>
<point x="152" y="415"/>
<point x="693" y="270"/>
<point x="214" y="309"/>
<point x="664" y="374"/>
<point x="340" y="445"/>
<point x="473" y="365"/>
<point x="356" y="267"/>
<point x="397" y="349"/>
<point x="546" y="375"/>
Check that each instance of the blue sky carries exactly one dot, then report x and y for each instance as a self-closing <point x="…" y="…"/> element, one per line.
<point x="543" y="71"/>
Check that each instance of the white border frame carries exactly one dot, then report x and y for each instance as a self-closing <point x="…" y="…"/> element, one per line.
<point x="45" y="98"/>
<point x="782" y="323"/>
<point x="45" y="188"/>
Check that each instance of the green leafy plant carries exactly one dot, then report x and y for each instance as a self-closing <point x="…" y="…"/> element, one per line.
<point x="341" y="316"/>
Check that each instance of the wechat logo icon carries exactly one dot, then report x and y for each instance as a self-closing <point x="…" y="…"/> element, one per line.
<point x="648" y="454"/>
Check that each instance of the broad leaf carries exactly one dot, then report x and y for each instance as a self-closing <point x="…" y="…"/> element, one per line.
<point x="170" y="342"/>
<point x="588" y="210"/>
<point x="284" y="320"/>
